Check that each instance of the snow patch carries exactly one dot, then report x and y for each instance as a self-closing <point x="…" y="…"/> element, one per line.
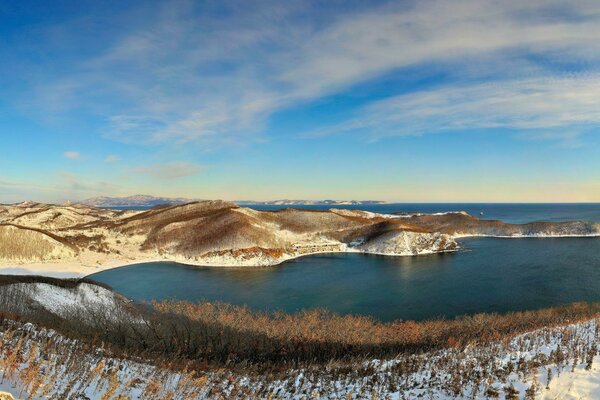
<point x="60" y="300"/>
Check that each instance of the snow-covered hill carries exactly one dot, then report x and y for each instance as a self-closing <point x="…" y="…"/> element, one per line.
<point x="55" y="239"/>
<point x="559" y="363"/>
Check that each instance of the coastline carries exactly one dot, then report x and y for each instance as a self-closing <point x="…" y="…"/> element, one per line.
<point x="77" y="269"/>
<point x="71" y="269"/>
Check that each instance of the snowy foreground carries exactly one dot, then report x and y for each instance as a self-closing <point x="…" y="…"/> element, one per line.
<point x="38" y="363"/>
<point x="69" y="374"/>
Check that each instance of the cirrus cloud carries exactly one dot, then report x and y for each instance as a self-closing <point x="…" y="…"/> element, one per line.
<point x="171" y="170"/>
<point x="191" y="73"/>
<point x="72" y="155"/>
<point x="538" y="105"/>
<point x="111" y="158"/>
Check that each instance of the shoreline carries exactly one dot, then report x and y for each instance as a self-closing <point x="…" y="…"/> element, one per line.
<point x="72" y="269"/>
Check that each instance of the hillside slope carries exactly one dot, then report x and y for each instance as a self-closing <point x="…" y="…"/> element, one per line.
<point x="223" y="234"/>
<point x="207" y="233"/>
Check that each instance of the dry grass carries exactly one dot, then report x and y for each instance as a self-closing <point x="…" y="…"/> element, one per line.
<point x="18" y="243"/>
<point x="39" y="362"/>
<point x="319" y="336"/>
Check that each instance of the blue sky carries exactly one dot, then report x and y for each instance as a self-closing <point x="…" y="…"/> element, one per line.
<point x="399" y="101"/>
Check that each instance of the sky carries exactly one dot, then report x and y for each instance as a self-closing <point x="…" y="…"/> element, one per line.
<point x="404" y="101"/>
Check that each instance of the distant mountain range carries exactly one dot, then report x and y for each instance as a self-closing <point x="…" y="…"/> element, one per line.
<point x="141" y="200"/>
<point x="287" y="202"/>
<point x="138" y="200"/>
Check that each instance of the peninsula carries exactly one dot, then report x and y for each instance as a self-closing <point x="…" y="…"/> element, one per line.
<point x="76" y="240"/>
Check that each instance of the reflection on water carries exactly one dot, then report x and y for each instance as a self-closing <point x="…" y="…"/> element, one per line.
<point x="491" y="275"/>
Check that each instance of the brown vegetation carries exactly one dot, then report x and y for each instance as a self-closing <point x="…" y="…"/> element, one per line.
<point x="319" y="336"/>
<point x="249" y="252"/>
<point x="452" y="223"/>
<point x="220" y="334"/>
<point x="221" y="341"/>
<point x="199" y="230"/>
<point x="17" y="243"/>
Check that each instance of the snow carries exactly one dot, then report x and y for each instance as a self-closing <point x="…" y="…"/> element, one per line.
<point x="380" y="378"/>
<point x="363" y="214"/>
<point x="416" y="214"/>
<point x="85" y="299"/>
<point x="60" y="300"/>
<point x="577" y="385"/>
<point x="408" y="244"/>
<point x="545" y="235"/>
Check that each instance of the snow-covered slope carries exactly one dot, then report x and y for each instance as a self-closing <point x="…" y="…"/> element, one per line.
<point x="84" y="299"/>
<point x="61" y="301"/>
<point x="221" y="233"/>
<point x="207" y="233"/>
<point x="560" y="363"/>
<point x="408" y="244"/>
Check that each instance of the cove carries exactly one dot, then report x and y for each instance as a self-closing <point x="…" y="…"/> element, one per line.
<point x="486" y="275"/>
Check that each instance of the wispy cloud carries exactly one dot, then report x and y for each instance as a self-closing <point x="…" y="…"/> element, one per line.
<point x="111" y="158"/>
<point x="75" y="185"/>
<point x="464" y="32"/>
<point x="72" y="155"/>
<point x="566" y="139"/>
<point x="540" y="105"/>
<point x="172" y="170"/>
<point x="196" y="74"/>
<point x="65" y="186"/>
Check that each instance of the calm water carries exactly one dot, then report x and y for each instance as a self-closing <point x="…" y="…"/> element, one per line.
<point x="489" y="274"/>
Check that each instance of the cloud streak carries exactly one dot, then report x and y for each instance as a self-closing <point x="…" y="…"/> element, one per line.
<point x="214" y="77"/>
<point x="67" y="186"/>
<point x="566" y="104"/>
<point x="112" y="158"/>
<point x="172" y="170"/>
<point x="72" y="155"/>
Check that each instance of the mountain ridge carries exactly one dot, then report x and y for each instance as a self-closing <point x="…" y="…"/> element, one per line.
<point x="142" y="200"/>
<point x="137" y="200"/>
<point x="211" y="232"/>
<point x="222" y="233"/>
